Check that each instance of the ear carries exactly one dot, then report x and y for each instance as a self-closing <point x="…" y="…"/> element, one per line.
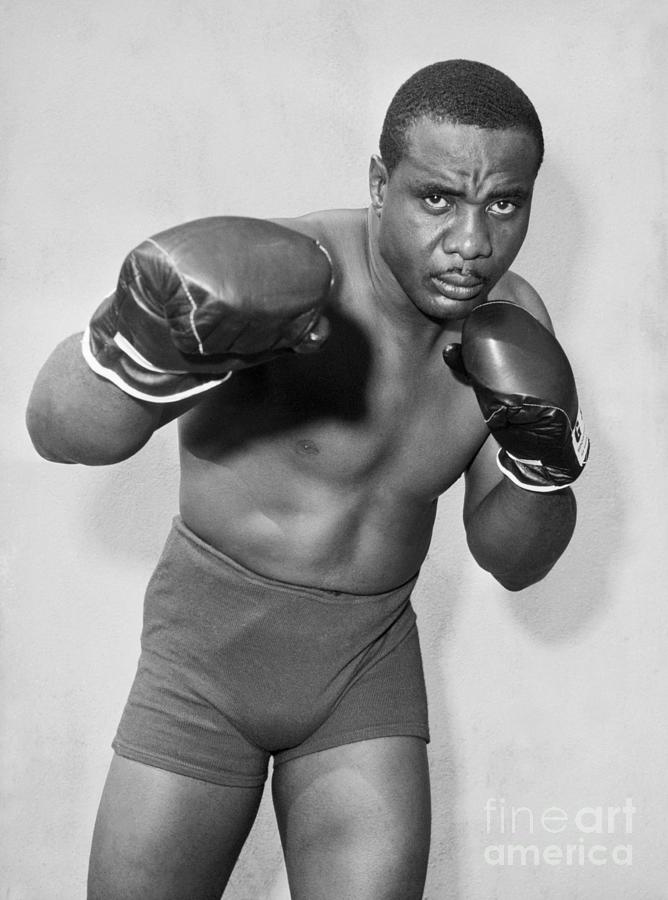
<point x="378" y="179"/>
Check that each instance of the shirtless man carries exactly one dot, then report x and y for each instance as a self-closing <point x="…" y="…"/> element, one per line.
<point x="278" y="622"/>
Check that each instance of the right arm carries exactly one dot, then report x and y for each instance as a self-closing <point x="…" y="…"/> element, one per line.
<point x="75" y="416"/>
<point x="192" y="304"/>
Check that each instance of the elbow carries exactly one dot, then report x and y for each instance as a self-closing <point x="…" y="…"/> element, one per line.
<point x="57" y="444"/>
<point x="38" y="432"/>
<point x="520" y="550"/>
<point x="513" y="575"/>
<point x="515" y="583"/>
<point x="527" y="569"/>
<point x="74" y="416"/>
<point x="524" y="574"/>
<point x="514" y="586"/>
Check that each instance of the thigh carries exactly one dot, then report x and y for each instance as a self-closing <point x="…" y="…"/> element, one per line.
<point x="355" y="820"/>
<point x="164" y="836"/>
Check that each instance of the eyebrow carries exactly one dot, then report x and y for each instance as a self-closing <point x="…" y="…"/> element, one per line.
<point x="436" y="187"/>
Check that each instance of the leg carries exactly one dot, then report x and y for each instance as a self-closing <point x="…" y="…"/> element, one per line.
<point x="163" y="836"/>
<point x="355" y="820"/>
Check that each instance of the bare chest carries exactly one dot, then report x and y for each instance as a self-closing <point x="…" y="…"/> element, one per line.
<point x="350" y="417"/>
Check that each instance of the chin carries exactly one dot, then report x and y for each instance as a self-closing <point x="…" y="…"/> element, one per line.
<point x="443" y="309"/>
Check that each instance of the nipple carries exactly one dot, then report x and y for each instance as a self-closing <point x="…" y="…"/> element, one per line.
<point x="307" y="446"/>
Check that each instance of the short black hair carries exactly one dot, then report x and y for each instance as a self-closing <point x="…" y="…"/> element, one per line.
<point x="460" y="91"/>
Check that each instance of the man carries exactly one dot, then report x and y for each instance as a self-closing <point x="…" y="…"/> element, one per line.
<point x="278" y="621"/>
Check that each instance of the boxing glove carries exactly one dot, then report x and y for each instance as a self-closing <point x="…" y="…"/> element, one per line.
<point x="526" y="391"/>
<point x="199" y="300"/>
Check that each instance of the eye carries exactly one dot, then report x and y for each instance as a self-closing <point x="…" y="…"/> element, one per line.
<point x="503" y="208"/>
<point x="436" y="201"/>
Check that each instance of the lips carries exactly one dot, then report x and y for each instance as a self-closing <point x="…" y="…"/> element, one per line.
<point x="455" y="286"/>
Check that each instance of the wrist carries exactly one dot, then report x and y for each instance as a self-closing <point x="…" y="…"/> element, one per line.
<point x="532" y="474"/>
<point x="553" y="469"/>
<point x="116" y="360"/>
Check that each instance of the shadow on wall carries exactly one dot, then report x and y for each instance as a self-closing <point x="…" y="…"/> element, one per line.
<point x="129" y="510"/>
<point x="437" y="600"/>
<point x="577" y="590"/>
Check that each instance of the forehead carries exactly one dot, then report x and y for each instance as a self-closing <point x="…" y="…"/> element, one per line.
<point x="439" y="149"/>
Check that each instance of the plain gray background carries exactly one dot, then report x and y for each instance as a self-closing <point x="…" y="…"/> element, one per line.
<point x="121" y="119"/>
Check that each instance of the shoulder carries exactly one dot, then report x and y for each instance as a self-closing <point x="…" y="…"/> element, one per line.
<point x="329" y="225"/>
<point x="518" y="290"/>
<point x="342" y="232"/>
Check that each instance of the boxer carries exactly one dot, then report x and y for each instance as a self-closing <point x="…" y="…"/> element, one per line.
<point x="332" y="376"/>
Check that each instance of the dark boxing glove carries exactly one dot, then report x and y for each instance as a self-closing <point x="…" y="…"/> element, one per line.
<point x="526" y="392"/>
<point x="197" y="301"/>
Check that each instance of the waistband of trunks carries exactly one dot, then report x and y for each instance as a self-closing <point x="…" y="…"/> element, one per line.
<point x="212" y="556"/>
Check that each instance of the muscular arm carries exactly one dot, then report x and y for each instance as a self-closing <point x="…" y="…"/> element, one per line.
<point x="177" y="324"/>
<point x="514" y="534"/>
<point x="74" y="416"/>
<point x="517" y="535"/>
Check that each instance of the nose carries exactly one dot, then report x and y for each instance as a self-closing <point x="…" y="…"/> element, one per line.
<point x="467" y="235"/>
